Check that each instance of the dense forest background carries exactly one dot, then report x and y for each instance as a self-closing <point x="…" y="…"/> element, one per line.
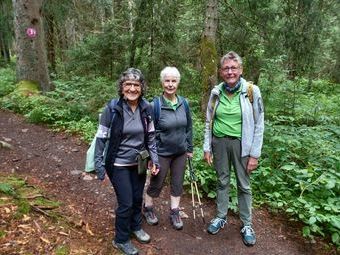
<point x="290" y="49"/>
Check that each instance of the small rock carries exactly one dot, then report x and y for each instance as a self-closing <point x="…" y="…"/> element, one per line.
<point x="165" y="202"/>
<point x="75" y="150"/>
<point x="76" y="172"/>
<point x="183" y="215"/>
<point x="24" y="130"/>
<point x="7" y="139"/>
<point x="87" y="178"/>
<point x="5" y="145"/>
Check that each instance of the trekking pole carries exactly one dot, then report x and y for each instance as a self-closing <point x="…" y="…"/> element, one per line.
<point x="194" y="189"/>
<point x="193" y="199"/>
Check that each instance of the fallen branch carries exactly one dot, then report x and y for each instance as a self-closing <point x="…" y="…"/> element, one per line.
<point x="37" y="209"/>
<point x="33" y="196"/>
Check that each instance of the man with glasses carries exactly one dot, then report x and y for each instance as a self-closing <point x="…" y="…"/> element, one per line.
<point x="233" y="137"/>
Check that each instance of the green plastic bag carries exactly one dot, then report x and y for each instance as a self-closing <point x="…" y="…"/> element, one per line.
<point x="89" y="163"/>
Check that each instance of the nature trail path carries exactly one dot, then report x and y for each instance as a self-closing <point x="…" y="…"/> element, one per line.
<point x="55" y="161"/>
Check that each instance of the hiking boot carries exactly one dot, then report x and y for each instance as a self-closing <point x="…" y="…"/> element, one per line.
<point x="215" y="225"/>
<point x="127" y="248"/>
<point x="175" y="219"/>
<point x="248" y="235"/>
<point x="141" y="236"/>
<point x="150" y="215"/>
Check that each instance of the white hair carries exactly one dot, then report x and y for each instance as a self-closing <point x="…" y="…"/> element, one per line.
<point x="170" y="71"/>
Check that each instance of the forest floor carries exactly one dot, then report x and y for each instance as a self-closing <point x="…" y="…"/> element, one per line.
<point x="53" y="164"/>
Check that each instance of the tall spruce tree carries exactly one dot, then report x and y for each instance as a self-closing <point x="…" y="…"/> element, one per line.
<point x="30" y="44"/>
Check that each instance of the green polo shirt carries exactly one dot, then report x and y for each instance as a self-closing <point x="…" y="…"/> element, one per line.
<point x="171" y="104"/>
<point x="228" y="119"/>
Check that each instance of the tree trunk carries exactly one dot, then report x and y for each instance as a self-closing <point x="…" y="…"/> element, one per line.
<point x="31" y="51"/>
<point x="135" y="31"/>
<point x="4" y="48"/>
<point x="5" y="30"/>
<point x="208" y="51"/>
<point x="50" y="38"/>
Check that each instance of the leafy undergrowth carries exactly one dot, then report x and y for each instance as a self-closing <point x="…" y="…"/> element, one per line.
<point x="32" y="223"/>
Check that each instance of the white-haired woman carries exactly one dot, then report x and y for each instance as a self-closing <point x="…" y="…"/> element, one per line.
<point x="173" y="124"/>
<point x="127" y="123"/>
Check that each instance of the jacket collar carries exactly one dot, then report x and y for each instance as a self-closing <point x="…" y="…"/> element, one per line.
<point x="143" y="104"/>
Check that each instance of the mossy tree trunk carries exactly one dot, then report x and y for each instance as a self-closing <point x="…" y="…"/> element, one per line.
<point x="31" y="52"/>
<point x="208" y="51"/>
<point x="50" y="39"/>
<point x="5" y="30"/>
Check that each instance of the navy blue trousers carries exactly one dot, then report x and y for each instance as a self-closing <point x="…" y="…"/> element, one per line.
<point x="129" y="187"/>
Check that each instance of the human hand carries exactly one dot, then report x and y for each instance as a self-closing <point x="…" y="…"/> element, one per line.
<point x="150" y="164"/>
<point x="154" y="170"/>
<point x="208" y="157"/>
<point x="252" y="164"/>
<point x="105" y="181"/>
<point x="190" y="154"/>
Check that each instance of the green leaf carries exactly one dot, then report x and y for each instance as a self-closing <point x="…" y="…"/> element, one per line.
<point x="290" y="210"/>
<point x="277" y="194"/>
<point x="306" y="231"/>
<point x="6" y="188"/>
<point x="335" y="237"/>
<point x="288" y="167"/>
<point x="212" y="194"/>
<point x="330" y="184"/>
<point x="312" y="220"/>
<point x="335" y="222"/>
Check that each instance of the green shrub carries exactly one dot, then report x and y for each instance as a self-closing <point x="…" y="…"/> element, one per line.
<point x="7" y="81"/>
<point x="299" y="174"/>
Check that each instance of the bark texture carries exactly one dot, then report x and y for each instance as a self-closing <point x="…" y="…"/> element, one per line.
<point x="31" y="52"/>
<point x="208" y="51"/>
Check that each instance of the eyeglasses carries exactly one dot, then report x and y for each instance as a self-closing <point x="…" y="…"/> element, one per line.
<point x="129" y="85"/>
<point x="231" y="68"/>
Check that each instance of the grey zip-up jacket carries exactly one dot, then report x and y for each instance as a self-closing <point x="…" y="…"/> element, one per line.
<point x="252" y="120"/>
<point x="173" y="130"/>
<point x="114" y="135"/>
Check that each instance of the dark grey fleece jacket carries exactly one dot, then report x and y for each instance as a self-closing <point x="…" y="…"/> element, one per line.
<point x="173" y="130"/>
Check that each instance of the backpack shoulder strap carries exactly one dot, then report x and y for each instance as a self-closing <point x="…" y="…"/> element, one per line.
<point x="186" y="105"/>
<point x="156" y="109"/>
<point x="111" y="104"/>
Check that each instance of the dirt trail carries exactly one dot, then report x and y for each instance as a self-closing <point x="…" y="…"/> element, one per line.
<point x="54" y="162"/>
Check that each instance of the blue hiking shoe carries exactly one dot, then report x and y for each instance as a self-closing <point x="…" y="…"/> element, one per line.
<point x="248" y="236"/>
<point x="215" y="225"/>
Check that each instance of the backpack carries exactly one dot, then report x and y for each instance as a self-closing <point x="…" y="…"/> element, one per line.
<point x="250" y="91"/>
<point x="157" y="108"/>
<point x="89" y="162"/>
